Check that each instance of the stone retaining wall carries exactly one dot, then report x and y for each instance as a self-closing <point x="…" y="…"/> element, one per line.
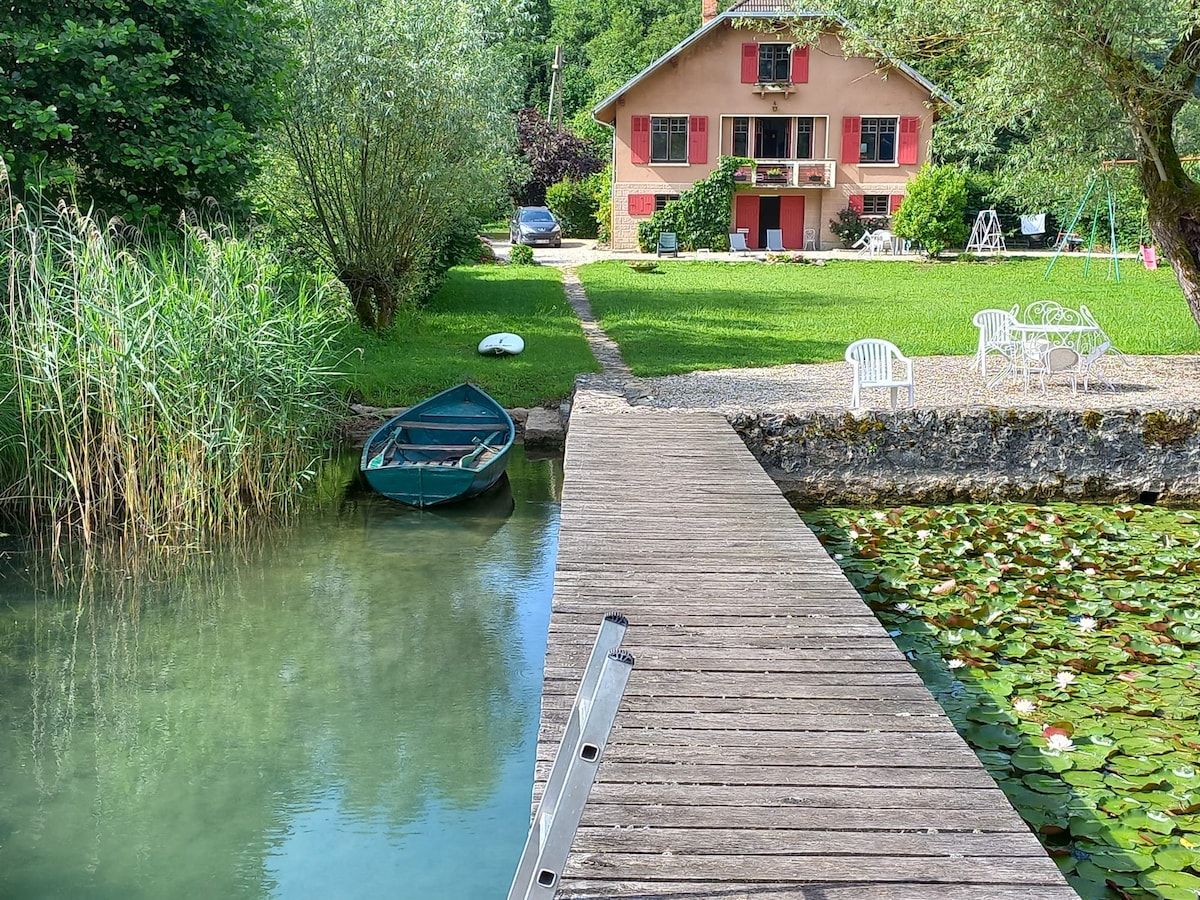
<point x="933" y="456"/>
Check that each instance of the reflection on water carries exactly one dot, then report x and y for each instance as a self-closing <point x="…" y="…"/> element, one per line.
<point x="353" y="713"/>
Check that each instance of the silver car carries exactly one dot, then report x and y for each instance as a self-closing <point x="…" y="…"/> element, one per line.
<point x="535" y="225"/>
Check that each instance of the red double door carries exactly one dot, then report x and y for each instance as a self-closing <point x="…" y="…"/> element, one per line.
<point x="755" y="214"/>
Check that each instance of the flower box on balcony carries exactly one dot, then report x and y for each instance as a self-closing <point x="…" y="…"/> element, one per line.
<point x="742" y="175"/>
<point x="772" y="176"/>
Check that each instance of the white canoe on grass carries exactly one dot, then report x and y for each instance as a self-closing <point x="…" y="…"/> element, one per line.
<point x="502" y="344"/>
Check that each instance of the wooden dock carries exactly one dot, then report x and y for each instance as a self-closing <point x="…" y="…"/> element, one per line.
<point x="773" y="742"/>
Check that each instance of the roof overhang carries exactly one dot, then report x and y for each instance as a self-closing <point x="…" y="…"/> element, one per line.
<point x="604" y="112"/>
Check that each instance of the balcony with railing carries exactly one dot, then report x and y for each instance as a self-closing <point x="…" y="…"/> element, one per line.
<point x="791" y="173"/>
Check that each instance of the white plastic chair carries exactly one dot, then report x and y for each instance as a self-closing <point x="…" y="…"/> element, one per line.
<point x="879" y="241"/>
<point x="737" y="243"/>
<point x="775" y="240"/>
<point x="876" y="363"/>
<point x="810" y="239"/>
<point x="995" y="336"/>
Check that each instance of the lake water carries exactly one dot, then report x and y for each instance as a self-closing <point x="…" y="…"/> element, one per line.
<point x="345" y="709"/>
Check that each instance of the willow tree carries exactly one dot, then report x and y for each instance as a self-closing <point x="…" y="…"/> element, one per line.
<point x="1085" y="79"/>
<point x="398" y="128"/>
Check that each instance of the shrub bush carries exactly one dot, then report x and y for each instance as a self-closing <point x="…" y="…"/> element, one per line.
<point x="601" y="184"/>
<point x="700" y="217"/>
<point x="574" y="203"/>
<point x="933" y="208"/>
<point x="520" y="255"/>
<point x="850" y="225"/>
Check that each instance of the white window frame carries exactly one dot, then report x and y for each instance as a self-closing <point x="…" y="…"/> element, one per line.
<point x="670" y="120"/>
<point x="895" y="120"/>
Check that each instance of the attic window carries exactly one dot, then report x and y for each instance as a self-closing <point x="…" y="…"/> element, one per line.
<point x="774" y="63"/>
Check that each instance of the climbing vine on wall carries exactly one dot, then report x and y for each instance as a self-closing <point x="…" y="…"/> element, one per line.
<point x="700" y="217"/>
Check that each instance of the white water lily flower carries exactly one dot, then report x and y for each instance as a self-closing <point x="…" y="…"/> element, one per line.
<point x="955" y="663"/>
<point x="923" y="534"/>
<point x="1087" y="623"/>
<point x="1047" y="539"/>
<point x="879" y="516"/>
<point x="1022" y="705"/>
<point x="1064" y="564"/>
<point x="903" y="607"/>
<point x="853" y="533"/>
<point x="1060" y="742"/>
<point x="1089" y="571"/>
<point x="1062" y="679"/>
<point x="838" y="556"/>
<point x="1076" y="550"/>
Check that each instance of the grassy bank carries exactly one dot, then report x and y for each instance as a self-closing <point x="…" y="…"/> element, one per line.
<point x="692" y="316"/>
<point x="160" y="390"/>
<point x="437" y="347"/>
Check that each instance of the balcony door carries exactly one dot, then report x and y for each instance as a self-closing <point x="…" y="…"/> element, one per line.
<point x="773" y="137"/>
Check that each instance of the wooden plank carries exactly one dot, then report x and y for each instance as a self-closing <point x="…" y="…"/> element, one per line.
<point x="800" y="842"/>
<point x="772" y="740"/>
<point x="583" y="888"/>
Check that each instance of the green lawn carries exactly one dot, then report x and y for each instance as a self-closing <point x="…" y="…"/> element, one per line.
<point x="436" y="348"/>
<point x="692" y="316"/>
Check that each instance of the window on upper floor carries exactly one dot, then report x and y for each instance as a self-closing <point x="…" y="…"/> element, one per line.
<point x="661" y="201"/>
<point x="668" y="139"/>
<point x="878" y="140"/>
<point x="876" y="205"/>
<point x="741" y="136"/>
<point x="774" y="62"/>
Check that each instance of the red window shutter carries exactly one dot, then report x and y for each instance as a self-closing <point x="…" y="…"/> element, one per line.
<point x="745" y="215"/>
<point x="800" y="65"/>
<point x="910" y="127"/>
<point x="749" y="63"/>
<point x="856" y="203"/>
<point x="639" y="140"/>
<point x="791" y="221"/>
<point x="894" y="202"/>
<point x="641" y="204"/>
<point x="698" y="139"/>
<point x="851" y="138"/>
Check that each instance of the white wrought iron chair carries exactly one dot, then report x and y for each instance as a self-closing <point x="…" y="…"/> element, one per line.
<point x="876" y="363"/>
<point x="995" y="336"/>
<point x="1057" y="359"/>
<point x="775" y="240"/>
<point x="1103" y="344"/>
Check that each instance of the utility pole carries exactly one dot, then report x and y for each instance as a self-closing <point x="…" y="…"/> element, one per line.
<point x="556" y="89"/>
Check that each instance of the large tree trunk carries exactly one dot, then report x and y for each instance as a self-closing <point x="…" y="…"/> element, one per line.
<point x="1173" y="198"/>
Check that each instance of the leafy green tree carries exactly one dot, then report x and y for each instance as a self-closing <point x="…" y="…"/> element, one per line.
<point x="398" y="127"/>
<point x="1081" y="82"/>
<point x="607" y="42"/>
<point x="146" y="108"/>
<point x="932" y="211"/>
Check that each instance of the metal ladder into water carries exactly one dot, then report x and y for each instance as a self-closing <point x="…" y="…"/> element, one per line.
<point x="574" y="768"/>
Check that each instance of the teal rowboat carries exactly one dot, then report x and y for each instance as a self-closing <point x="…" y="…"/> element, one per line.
<point x="450" y="447"/>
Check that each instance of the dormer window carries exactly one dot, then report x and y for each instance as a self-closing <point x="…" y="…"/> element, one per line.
<point x="774" y="63"/>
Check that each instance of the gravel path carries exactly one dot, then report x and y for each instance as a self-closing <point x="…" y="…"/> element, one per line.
<point x="1146" y="382"/>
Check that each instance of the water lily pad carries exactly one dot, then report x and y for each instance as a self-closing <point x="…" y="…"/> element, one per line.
<point x="1171" y="885"/>
<point x="1123" y="860"/>
<point x="1176" y="859"/>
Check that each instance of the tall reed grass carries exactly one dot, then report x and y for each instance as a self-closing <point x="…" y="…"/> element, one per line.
<point x="161" y="390"/>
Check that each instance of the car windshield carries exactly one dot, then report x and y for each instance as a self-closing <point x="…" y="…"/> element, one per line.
<point x="536" y="215"/>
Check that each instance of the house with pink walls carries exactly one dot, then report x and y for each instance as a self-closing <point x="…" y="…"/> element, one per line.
<point x="826" y="130"/>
